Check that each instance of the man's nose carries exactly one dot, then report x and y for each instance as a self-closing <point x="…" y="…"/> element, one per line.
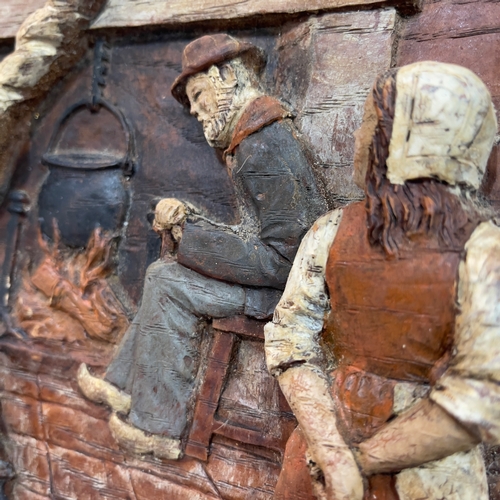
<point x="193" y="110"/>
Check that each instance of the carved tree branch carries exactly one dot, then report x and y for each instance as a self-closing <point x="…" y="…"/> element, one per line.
<point x="48" y="43"/>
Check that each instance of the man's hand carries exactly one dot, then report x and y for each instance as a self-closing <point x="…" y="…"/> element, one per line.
<point x="170" y="214"/>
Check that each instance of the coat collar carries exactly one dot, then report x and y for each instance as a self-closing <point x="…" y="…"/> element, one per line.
<point x="262" y="111"/>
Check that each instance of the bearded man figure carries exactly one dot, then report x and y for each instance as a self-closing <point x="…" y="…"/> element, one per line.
<point x="386" y="342"/>
<point x="212" y="270"/>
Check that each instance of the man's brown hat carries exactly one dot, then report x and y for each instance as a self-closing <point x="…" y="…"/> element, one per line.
<point x="206" y="51"/>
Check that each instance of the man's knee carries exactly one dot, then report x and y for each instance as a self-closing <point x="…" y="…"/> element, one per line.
<point x="197" y="293"/>
<point x="161" y="270"/>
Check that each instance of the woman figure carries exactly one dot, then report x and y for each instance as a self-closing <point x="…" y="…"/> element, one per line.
<point x="386" y="342"/>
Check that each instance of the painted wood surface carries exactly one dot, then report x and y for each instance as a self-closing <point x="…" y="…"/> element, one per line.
<point x="461" y="33"/>
<point x="129" y="13"/>
<point x="121" y="13"/>
<point x="61" y="446"/>
<point x="348" y="51"/>
<point x="467" y="34"/>
<point x="13" y="13"/>
<point x="60" y="443"/>
<point x="48" y="44"/>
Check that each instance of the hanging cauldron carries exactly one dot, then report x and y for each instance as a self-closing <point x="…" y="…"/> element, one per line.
<point x="90" y="156"/>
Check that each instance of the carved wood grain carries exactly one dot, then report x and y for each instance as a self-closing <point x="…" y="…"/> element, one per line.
<point x="241" y="325"/>
<point x="38" y="384"/>
<point x="205" y="420"/>
<point x="125" y="13"/>
<point x="250" y="436"/>
<point x="208" y="398"/>
<point x="251" y="408"/>
<point x="13" y="13"/>
<point x="61" y="446"/>
<point x="129" y="13"/>
<point x="255" y="466"/>
<point x="349" y="50"/>
<point x="467" y="34"/>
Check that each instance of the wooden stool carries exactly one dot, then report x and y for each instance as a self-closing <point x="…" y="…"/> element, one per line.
<point x="205" y="423"/>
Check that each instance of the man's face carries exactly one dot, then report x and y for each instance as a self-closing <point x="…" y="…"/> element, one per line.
<point x="211" y="97"/>
<point x="363" y="140"/>
<point x="202" y="97"/>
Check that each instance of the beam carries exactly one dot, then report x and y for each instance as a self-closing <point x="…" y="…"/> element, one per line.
<point x="120" y="13"/>
<point x="130" y="13"/>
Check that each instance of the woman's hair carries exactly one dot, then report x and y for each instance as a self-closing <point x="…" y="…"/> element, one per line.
<point x="422" y="207"/>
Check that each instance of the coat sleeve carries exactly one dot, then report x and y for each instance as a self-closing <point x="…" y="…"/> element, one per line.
<point x="470" y="388"/>
<point x="230" y="256"/>
<point x="280" y="197"/>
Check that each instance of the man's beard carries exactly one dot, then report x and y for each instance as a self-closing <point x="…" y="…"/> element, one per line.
<point x="214" y="127"/>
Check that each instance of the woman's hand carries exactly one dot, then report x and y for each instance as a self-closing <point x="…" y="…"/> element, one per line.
<point x="308" y="394"/>
<point x="342" y="477"/>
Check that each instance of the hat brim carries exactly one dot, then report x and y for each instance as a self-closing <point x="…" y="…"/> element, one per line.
<point x="178" y="88"/>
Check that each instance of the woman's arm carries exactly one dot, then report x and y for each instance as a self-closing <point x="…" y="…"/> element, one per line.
<point x="463" y="407"/>
<point x="308" y="395"/>
<point x="294" y="355"/>
<point x="424" y="433"/>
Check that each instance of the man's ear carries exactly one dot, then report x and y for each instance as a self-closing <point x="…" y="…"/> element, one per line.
<point x="214" y="73"/>
<point x="228" y="75"/>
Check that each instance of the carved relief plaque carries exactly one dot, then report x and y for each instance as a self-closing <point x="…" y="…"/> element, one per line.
<point x="166" y="163"/>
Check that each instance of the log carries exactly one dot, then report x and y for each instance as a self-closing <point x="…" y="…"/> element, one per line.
<point x="126" y="13"/>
